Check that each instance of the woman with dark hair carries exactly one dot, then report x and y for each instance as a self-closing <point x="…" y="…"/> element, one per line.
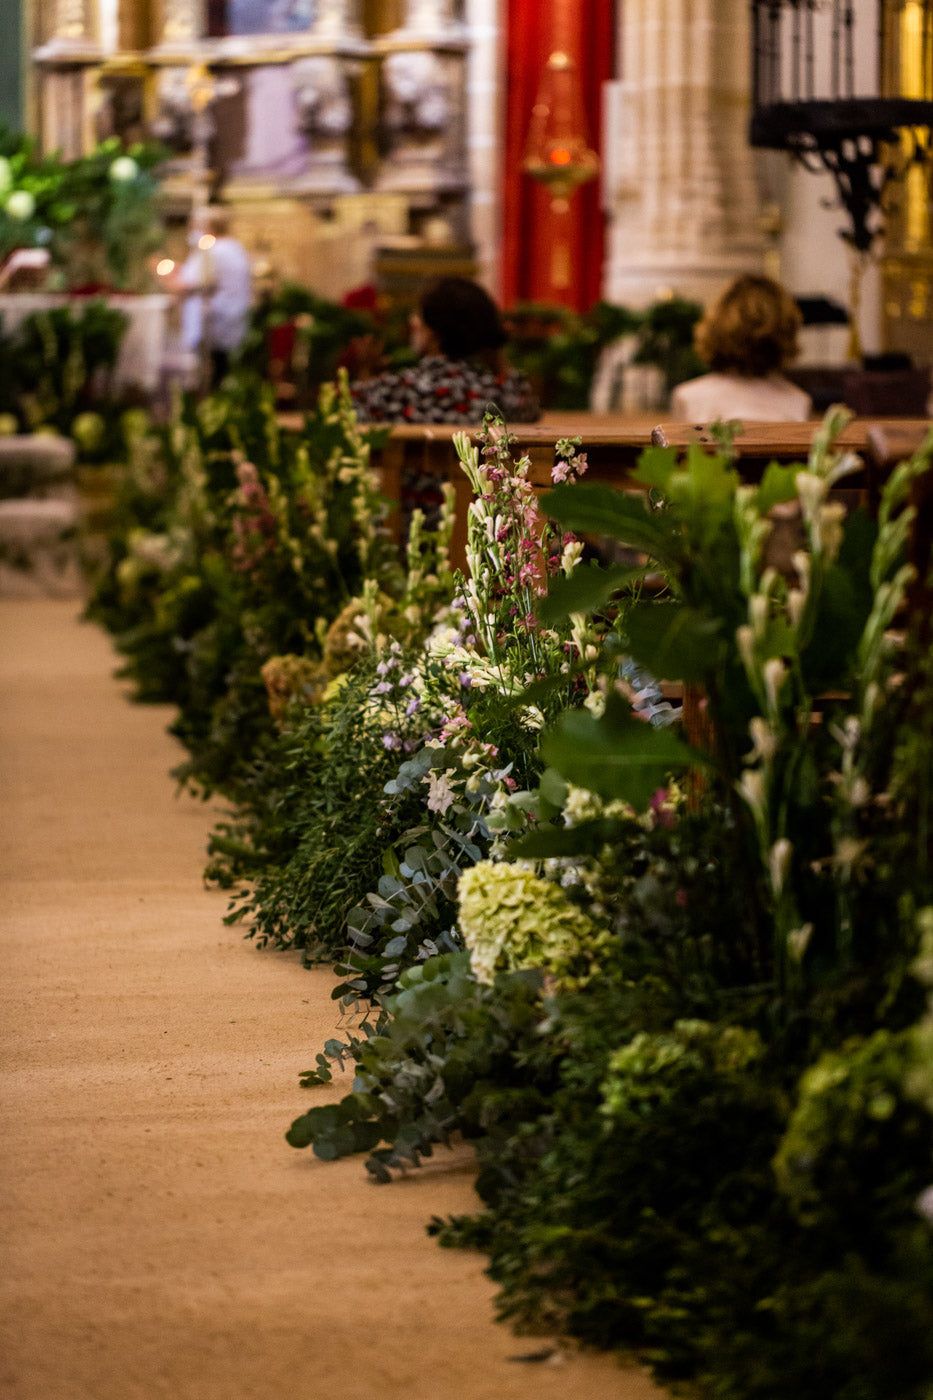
<point x="459" y="335"/>
<point x="747" y="339"/>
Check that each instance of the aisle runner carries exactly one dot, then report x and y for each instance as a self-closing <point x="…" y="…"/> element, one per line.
<point x="160" y="1239"/>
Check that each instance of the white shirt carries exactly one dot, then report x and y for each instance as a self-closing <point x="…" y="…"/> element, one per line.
<point x="226" y="267"/>
<point x="772" y="399"/>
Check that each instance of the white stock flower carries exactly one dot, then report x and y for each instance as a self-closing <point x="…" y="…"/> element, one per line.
<point x="570" y="556"/>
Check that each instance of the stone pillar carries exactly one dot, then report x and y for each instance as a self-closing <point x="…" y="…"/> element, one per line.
<point x="680" y="189"/>
<point x="485" y="134"/>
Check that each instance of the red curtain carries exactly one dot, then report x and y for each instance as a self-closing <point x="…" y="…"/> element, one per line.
<point x="586" y="30"/>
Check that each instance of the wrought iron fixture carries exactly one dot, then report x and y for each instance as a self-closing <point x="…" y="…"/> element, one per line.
<point x="849" y="94"/>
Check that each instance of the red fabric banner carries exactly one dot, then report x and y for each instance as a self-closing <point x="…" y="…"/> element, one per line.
<point x="586" y="30"/>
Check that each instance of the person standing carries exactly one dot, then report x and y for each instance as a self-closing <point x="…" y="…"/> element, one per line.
<point x="217" y="285"/>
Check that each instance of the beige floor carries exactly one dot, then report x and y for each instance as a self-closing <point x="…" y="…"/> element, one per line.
<point x="160" y="1239"/>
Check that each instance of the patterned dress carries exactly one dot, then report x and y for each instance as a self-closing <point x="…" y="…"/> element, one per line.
<point x="438" y="390"/>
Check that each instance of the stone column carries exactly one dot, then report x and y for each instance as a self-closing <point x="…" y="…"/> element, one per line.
<point x="680" y="189"/>
<point x="485" y="122"/>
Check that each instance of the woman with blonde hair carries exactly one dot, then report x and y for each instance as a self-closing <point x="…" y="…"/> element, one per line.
<point x="747" y="339"/>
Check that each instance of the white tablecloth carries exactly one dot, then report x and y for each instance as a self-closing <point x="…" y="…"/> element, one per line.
<point x="144" y="343"/>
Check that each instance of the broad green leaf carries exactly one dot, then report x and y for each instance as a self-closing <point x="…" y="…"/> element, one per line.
<point x="778" y="484"/>
<point x="675" y="642"/>
<point x="655" y="466"/>
<point x="585" y="591"/>
<point x="553" y="788"/>
<point x="616" y="756"/>
<point x="587" y="839"/>
<point x="594" y="509"/>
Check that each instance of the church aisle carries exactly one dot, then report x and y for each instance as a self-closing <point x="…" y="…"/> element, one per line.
<point x="160" y="1239"/>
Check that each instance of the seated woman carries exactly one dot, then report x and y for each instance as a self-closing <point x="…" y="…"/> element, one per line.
<point x="747" y="339"/>
<point x="459" y="335"/>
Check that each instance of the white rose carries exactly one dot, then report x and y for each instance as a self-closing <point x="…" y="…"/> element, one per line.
<point x="20" y="205"/>
<point x="124" y="168"/>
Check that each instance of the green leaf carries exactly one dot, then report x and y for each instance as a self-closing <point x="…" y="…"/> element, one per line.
<point x="593" y="509"/>
<point x="587" y="839"/>
<point x="553" y="788"/>
<point x="585" y="591"/>
<point x="674" y="641"/>
<point x="655" y="467"/>
<point x="616" y="756"/>
<point x="778" y="484"/>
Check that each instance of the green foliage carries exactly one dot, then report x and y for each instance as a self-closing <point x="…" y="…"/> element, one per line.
<point x="56" y="369"/>
<point x="96" y="214"/>
<point x="713" y="1150"/>
<point x="322" y="330"/>
<point x="260" y="537"/>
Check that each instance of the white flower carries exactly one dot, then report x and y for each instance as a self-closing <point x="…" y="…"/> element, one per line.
<point x="924" y="1205"/>
<point x="797" y="941"/>
<point x="775" y="673"/>
<point x="752" y="787"/>
<point x="812" y="492"/>
<point x="20" y="205"/>
<point x="764" y="739"/>
<point x="779" y="863"/>
<point x="758" y="609"/>
<point x="829" y="530"/>
<point x="796" y="602"/>
<point x="745" y="641"/>
<point x="124" y="169"/>
<point x="440" y="794"/>
<point x="570" y="557"/>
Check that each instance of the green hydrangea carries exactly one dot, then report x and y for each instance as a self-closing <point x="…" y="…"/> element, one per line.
<point x="652" y="1068"/>
<point x="854" y="1137"/>
<point x="511" y="919"/>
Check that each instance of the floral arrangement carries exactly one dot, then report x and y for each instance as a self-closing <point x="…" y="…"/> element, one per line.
<point x="677" y="995"/>
<point x="96" y="215"/>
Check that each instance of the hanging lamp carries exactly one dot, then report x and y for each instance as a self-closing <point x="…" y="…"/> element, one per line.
<point x="558" y="153"/>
